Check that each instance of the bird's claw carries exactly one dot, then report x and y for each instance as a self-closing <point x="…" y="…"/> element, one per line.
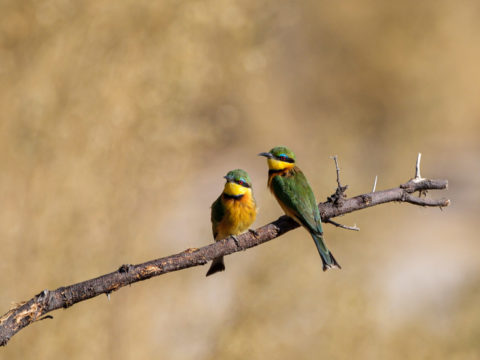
<point x="254" y="232"/>
<point x="235" y="240"/>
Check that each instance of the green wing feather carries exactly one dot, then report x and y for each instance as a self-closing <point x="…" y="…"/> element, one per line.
<point x="295" y="193"/>
<point x="217" y="214"/>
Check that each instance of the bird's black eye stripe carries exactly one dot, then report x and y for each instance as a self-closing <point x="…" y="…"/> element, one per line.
<point x="285" y="159"/>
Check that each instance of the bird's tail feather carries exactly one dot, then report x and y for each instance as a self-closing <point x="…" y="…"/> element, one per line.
<point x="328" y="260"/>
<point x="217" y="265"/>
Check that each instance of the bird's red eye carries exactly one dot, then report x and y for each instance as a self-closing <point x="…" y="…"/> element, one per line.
<point x="242" y="183"/>
<point x="284" y="158"/>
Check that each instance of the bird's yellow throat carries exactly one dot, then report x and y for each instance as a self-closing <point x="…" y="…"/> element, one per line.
<point x="233" y="189"/>
<point x="274" y="164"/>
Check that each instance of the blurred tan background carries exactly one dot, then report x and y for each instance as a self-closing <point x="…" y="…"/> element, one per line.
<point x="119" y="119"/>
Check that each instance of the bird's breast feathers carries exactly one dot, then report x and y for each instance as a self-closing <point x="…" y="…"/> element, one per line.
<point x="239" y="215"/>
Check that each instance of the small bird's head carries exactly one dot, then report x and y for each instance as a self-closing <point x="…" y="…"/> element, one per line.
<point x="279" y="158"/>
<point x="238" y="183"/>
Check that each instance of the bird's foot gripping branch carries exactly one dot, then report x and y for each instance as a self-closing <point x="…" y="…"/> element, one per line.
<point x="30" y="311"/>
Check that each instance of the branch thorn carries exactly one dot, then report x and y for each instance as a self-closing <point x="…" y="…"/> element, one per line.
<point x="418" y="177"/>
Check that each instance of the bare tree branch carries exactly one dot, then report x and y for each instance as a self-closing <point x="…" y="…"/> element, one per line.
<point x="28" y="312"/>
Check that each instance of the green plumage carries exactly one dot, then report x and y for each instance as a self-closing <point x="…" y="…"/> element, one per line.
<point x="216" y="216"/>
<point x="218" y="211"/>
<point x="295" y="193"/>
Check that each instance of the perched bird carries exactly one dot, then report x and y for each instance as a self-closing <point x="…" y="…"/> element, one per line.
<point x="233" y="212"/>
<point x="292" y="191"/>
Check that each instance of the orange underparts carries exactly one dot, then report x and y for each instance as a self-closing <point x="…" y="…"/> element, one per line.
<point x="240" y="214"/>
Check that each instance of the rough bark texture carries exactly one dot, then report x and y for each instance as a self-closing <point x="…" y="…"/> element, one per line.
<point x="35" y="309"/>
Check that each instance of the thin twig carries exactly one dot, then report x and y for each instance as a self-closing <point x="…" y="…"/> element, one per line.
<point x="426" y="202"/>
<point x="337" y="169"/>
<point x="338" y="197"/>
<point x="354" y="227"/>
<point x="375" y="184"/>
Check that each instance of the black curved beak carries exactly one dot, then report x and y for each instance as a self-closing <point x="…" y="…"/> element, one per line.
<point x="228" y="178"/>
<point x="266" y="154"/>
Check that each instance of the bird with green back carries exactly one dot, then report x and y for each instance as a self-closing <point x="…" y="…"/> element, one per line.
<point x="295" y="196"/>
<point x="233" y="212"/>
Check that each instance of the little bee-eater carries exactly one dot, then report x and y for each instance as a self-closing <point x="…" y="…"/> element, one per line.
<point x="292" y="191"/>
<point x="233" y="212"/>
